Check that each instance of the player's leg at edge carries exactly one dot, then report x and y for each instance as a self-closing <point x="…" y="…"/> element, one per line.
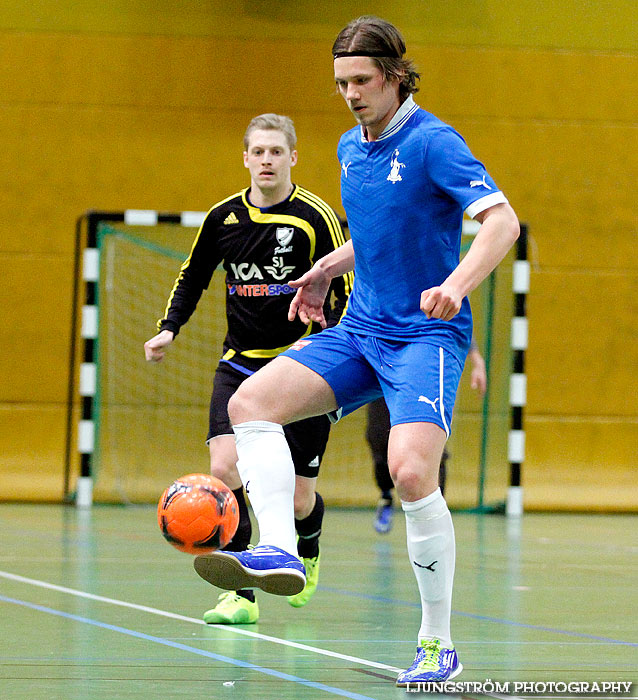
<point x="234" y="607"/>
<point x="377" y="436"/>
<point x="281" y="392"/>
<point x="414" y="452"/>
<point x="309" y="511"/>
<point x="240" y="607"/>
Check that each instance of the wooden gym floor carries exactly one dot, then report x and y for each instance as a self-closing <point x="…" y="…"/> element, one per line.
<point x="96" y="605"/>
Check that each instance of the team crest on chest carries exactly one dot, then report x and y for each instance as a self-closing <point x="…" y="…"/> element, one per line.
<point x="284" y="235"/>
<point x="395" y="167"/>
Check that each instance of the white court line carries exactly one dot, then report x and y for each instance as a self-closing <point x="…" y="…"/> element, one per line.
<point x="224" y="628"/>
<point x="183" y="618"/>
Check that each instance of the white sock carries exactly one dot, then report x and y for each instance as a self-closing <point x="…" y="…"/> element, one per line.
<point x="268" y="474"/>
<point x="432" y="553"/>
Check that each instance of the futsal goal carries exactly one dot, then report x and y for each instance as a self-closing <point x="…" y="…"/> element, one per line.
<point x="133" y="427"/>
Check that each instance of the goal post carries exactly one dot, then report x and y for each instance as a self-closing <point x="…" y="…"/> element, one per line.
<point x="136" y="426"/>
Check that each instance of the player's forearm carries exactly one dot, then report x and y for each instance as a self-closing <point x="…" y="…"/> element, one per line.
<point x="182" y="303"/>
<point x="475" y="357"/>
<point x="498" y="233"/>
<point x="339" y="262"/>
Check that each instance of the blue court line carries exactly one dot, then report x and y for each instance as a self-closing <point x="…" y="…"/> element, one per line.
<point x="474" y="616"/>
<point x="185" y="647"/>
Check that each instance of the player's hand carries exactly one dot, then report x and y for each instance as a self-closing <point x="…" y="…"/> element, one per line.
<point x="312" y="288"/>
<point x="478" y="378"/>
<point x="442" y="302"/>
<point x="155" y="348"/>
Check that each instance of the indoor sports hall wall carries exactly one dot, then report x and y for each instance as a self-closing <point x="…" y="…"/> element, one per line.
<point x="143" y="103"/>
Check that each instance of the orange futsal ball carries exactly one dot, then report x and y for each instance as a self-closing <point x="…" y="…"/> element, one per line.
<point x="198" y="514"/>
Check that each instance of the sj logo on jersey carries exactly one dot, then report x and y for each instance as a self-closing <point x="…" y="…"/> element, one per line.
<point x="278" y="270"/>
<point x="247" y="271"/>
<point x="300" y="344"/>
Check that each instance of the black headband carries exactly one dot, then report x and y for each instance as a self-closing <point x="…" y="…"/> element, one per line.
<point x="371" y="54"/>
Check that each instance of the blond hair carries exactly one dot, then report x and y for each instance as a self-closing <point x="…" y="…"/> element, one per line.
<point x="274" y="122"/>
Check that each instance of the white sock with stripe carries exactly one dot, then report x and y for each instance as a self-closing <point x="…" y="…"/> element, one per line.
<point x="432" y="553"/>
<point x="268" y="474"/>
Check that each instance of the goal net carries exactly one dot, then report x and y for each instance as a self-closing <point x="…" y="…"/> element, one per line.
<point x="150" y="419"/>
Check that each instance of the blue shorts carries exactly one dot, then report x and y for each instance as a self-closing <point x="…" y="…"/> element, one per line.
<point x="418" y="380"/>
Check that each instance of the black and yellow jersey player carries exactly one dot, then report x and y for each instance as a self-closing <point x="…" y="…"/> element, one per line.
<point x="264" y="237"/>
<point x="261" y="249"/>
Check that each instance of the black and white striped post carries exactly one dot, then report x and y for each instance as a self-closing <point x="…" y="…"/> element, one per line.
<point x="88" y="368"/>
<point x="518" y="378"/>
<point x="89" y="329"/>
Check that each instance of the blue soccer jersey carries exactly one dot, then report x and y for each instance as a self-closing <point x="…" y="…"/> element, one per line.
<point x="404" y="196"/>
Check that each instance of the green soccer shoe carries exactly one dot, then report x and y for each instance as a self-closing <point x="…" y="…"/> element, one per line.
<point x="312" y="579"/>
<point x="232" y="609"/>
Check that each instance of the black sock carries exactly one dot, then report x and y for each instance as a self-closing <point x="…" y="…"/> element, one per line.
<point x="443" y="471"/>
<point x="309" y="530"/>
<point x="247" y="593"/>
<point x="387" y="496"/>
<point x="241" y="539"/>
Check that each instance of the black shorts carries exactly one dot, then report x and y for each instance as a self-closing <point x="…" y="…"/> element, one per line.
<point x="307" y="438"/>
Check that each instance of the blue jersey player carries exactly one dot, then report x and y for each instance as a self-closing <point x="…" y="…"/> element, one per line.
<point x="406" y="179"/>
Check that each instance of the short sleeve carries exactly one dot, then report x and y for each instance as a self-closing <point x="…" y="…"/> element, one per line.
<point x="455" y="171"/>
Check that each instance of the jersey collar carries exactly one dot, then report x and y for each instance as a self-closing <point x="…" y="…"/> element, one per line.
<point x="245" y="195"/>
<point x="405" y="111"/>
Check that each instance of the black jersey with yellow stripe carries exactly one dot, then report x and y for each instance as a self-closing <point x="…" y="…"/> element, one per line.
<point x="260" y="250"/>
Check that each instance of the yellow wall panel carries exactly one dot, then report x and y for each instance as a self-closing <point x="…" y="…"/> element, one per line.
<point x="562" y="23"/>
<point x="110" y="159"/>
<point x="72" y="160"/>
<point x="581" y="465"/>
<point x="583" y="353"/>
<point x="527" y="85"/>
<point x="589" y="23"/>
<point x="32" y="447"/>
<point x="572" y="182"/>
<point x="34" y="333"/>
<point x="164" y="72"/>
<point x="201" y="73"/>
